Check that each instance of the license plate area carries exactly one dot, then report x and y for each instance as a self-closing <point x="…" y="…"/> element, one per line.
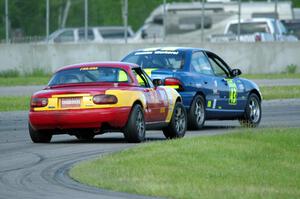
<point x="70" y="102"/>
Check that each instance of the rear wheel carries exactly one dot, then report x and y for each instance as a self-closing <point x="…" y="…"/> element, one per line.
<point x="253" y="112"/>
<point x="39" y="136"/>
<point x="135" y="129"/>
<point x="178" y="123"/>
<point x="196" y="116"/>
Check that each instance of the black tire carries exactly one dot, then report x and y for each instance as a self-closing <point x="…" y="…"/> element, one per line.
<point x="85" y="136"/>
<point x="38" y="136"/>
<point x="135" y="129"/>
<point x="178" y="124"/>
<point x="197" y="113"/>
<point x="253" y="111"/>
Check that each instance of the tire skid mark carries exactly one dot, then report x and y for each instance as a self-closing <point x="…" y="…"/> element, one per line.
<point x="61" y="177"/>
<point x="39" y="160"/>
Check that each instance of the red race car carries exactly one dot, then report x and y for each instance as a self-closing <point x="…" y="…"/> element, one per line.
<point x="93" y="98"/>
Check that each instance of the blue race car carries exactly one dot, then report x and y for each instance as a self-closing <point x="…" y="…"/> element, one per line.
<point x="210" y="89"/>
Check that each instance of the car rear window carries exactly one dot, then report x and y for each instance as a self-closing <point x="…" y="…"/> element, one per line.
<point x="157" y="59"/>
<point x="88" y="75"/>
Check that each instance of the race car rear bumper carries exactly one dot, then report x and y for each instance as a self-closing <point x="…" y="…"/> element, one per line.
<point x="76" y="119"/>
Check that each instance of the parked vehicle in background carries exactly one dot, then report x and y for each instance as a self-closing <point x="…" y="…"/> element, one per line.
<point x="94" y="34"/>
<point x="292" y="26"/>
<point x="210" y="89"/>
<point x="255" y="30"/>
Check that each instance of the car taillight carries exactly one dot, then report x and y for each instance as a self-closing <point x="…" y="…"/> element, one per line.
<point x="174" y="83"/>
<point x="257" y="37"/>
<point x="105" y="99"/>
<point x="38" y="102"/>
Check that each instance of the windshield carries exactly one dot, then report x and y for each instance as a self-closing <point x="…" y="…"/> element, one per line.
<point x="157" y="59"/>
<point x="88" y="75"/>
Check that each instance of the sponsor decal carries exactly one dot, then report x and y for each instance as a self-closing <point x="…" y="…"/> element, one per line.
<point x="215" y="89"/>
<point x="166" y="52"/>
<point x="143" y="53"/>
<point x="209" y="104"/>
<point x="89" y="68"/>
<point x="214" y="103"/>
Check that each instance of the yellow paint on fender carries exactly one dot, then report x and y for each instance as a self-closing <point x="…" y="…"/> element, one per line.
<point x="126" y="98"/>
<point x="172" y="97"/>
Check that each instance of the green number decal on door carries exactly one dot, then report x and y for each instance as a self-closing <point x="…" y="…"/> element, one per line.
<point x="232" y="92"/>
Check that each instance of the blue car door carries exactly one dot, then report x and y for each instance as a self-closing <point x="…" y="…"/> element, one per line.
<point x="229" y="91"/>
<point x="201" y="74"/>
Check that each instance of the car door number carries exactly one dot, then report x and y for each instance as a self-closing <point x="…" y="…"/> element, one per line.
<point x="232" y="92"/>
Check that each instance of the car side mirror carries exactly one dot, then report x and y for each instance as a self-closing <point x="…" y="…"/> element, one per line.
<point x="157" y="82"/>
<point x="236" y="72"/>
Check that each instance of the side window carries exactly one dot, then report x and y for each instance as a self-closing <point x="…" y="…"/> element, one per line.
<point x="200" y="64"/>
<point x="66" y="36"/>
<point x="90" y="35"/>
<point x="218" y="66"/>
<point x="142" y="78"/>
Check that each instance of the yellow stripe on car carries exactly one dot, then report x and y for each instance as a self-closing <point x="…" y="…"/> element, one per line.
<point x="172" y="97"/>
<point x="125" y="98"/>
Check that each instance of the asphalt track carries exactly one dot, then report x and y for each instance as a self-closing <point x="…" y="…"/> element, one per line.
<point x="38" y="171"/>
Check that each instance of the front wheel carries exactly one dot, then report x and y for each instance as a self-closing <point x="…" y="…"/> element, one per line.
<point x="38" y="136"/>
<point x="253" y="112"/>
<point x="135" y="129"/>
<point x="178" y="124"/>
<point x="197" y="114"/>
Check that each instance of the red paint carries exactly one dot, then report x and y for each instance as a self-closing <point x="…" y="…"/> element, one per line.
<point x="82" y="118"/>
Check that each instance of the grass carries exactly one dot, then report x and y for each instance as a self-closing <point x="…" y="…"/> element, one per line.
<point x="24" y="81"/>
<point x="13" y="77"/>
<point x="272" y="76"/>
<point x="280" y="92"/>
<point x="264" y="163"/>
<point x="14" y="103"/>
<point x="12" y="80"/>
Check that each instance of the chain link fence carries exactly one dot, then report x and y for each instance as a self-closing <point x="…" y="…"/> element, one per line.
<point x="57" y="21"/>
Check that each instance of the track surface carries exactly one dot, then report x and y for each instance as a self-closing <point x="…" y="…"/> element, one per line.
<point x="30" y="170"/>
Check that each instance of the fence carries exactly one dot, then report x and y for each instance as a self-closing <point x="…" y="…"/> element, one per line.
<point x="33" y="20"/>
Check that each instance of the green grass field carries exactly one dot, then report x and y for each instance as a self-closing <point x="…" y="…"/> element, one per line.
<point x="14" y="103"/>
<point x="23" y="81"/>
<point x="280" y="92"/>
<point x="247" y="163"/>
<point x="272" y="76"/>
<point x="44" y="79"/>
